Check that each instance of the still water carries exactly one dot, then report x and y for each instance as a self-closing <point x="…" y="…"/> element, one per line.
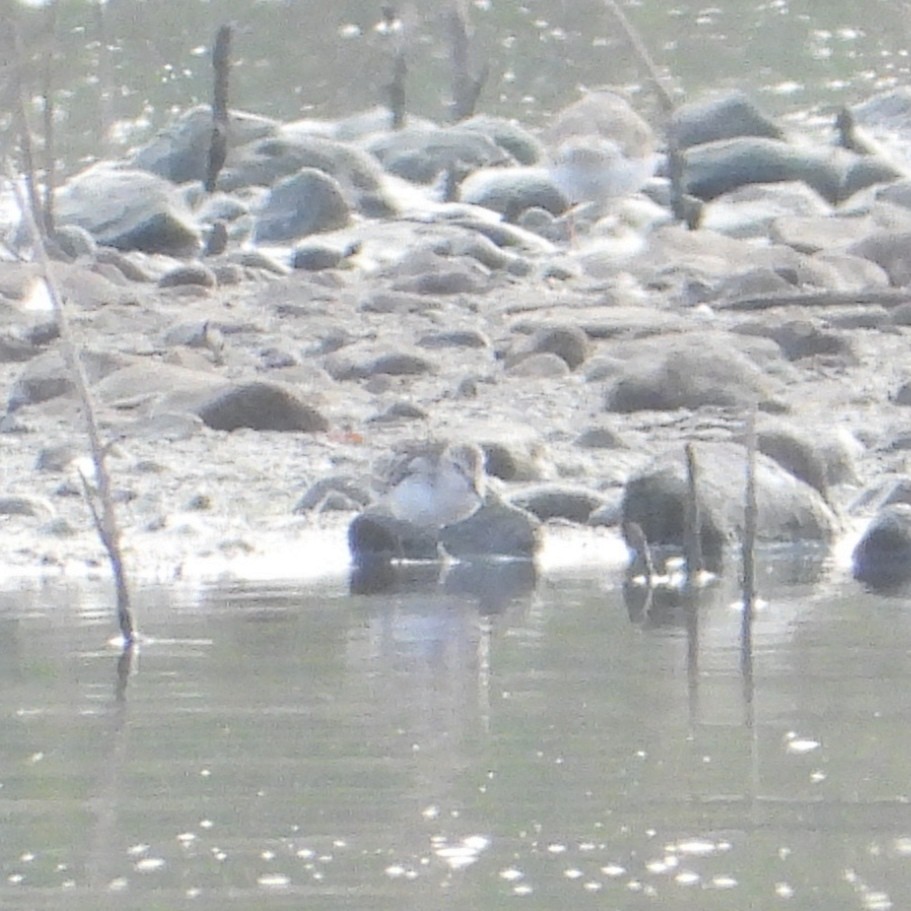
<point x="502" y="740"/>
<point x="474" y="743"/>
<point x="120" y="69"/>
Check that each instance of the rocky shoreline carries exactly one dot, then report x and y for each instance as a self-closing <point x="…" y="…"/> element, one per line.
<point x="259" y="356"/>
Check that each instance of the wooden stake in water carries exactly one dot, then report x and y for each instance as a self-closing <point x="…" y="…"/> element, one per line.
<point x="750" y="517"/>
<point x="692" y="520"/>
<point x="218" y="144"/>
<point x="466" y="88"/>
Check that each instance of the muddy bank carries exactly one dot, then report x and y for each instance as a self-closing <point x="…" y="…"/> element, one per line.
<point x="254" y="407"/>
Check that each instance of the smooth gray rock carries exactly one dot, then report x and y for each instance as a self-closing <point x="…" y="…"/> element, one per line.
<point x="33" y="507"/>
<point x="421" y="155"/>
<point x="375" y="121"/>
<point x="891" y="251"/>
<point x="180" y="152"/>
<point x="455" y="338"/>
<point x="495" y="530"/>
<point x="539" y="366"/>
<point x="882" y="556"/>
<point x="559" y="501"/>
<point x="129" y="210"/>
<point x="260" y="406"/>
<point x="510" y="191"/>
<point x="810" y="234"/>
<point x="47" y="376"/>
<point x="802" y="338"/>
<point x="600" y="437"/>
<point x="357" y="174"/>
<point x="569" y="343"/>
<point x="789" y="511"/>
<point x="377" y="536"/>
<point x="351" y="365"/>
<point x="309" y="202"/>
<point x="75" y="242"/>
<point x="890" y="110"/>
<point x="525" y="148"/>
<point x="191" y="274"/>
<point x="313" y="257"/>
<point x="428" y="272"/>
<point x="719" y="167"/>
<point x="349" y="487"/>
<point x="796" y="452"/>
<point x="690" y="371"/>
<point x="721" y="117"/>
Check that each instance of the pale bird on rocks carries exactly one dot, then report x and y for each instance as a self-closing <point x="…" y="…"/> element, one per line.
<point x="601" y="149"/>
<point x="437" y="487"/>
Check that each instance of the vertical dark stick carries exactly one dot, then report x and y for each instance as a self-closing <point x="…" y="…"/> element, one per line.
<point x="748" y="548"/>
<point x="466" y="89"/>
<point x="692" y="547"/>
<point x="396" y="89"/>
<point x="47" y="97"/>
<point x="105" y="94"/>
<point x="692" y="522"/>
<point x="218" y="147"/>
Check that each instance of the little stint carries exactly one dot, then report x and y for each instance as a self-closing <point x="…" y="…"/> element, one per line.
<point x="601" y="149"/>
<point x="437" y="487"/>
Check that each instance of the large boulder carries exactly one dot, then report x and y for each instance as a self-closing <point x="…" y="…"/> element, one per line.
<point x="882" y="556"/>
<point x="421" y="155"/>
<point x="273" y="158"/>
<point x="789" y="510"/>
<point x="180" y="152"/>
<point x="719" y="167"/>
<point x="721" y="117"/>
<point x="309" y="202"/>
<point x="495" y="531"/>
<point x="691" y="370"/>
<point x="130" y="210"/>
<point x="511" y="191"/>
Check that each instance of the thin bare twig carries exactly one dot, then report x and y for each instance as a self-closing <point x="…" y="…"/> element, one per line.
<point x="12" y="43"/>
<point x="638" y="45"/>
<point x="106" y="520"/>
<point x="47" y="99"/>
<point x="748" y="544"/>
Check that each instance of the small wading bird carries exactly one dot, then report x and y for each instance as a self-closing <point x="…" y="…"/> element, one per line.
<point x="437" y="487"/>
<point x="601" y="149"/>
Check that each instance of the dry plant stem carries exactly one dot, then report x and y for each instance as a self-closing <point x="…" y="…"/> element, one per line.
<point x="397" y="94"/>
<point x="47" y="98"/>
<point x="105" y="92"/>
<point x="12" y="41"/>
<point x="685" y="208"/>
<point x="692" y="542"/>
<point x="638" y="45"/>
<point x="749" y="533"/>
<point x="105" y="522"/>
<point x="218" y="145"/>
